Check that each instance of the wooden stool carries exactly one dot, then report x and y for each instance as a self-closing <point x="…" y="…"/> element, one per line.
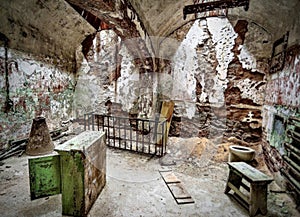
<point x="257" y="198"/>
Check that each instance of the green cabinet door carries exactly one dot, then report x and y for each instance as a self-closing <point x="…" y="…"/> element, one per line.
<point x="72" y="184"/>
<point x="45" y="176"/>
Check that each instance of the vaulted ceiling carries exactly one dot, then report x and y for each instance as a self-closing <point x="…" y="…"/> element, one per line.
<point x="43" y="27"/>
<point x="55" y="28"/>
<point x="275" y="16"/>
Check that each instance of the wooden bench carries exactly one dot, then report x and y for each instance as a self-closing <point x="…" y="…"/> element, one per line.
<point x="254" y="195"/>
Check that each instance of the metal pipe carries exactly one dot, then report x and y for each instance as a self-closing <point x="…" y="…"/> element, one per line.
<point x="292" y="148"/>
<point x="294" y="135"/>
<point x="294" y="118"/>
<point x="291" y="163"/>
<point x="294" y="172"/>
<point x="93" y="121"/>
<point x="274" y="162"/>
<point x="209" y="6"/>
<point x="108" y="129"/>
<point x="84" y="118"/>
<point x="292" y="180"/>
<point x="114" y="132"/>
<point x="143" y="130"/>
<point x="136" y="135"/>
<point x="295" y="156"/>
<point x="119" y="128"/>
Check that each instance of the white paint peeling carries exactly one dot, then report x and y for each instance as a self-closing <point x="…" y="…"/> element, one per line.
<point x="84" y="67"/>
<point x="203" y="95"/>
<point x="28" y="67"/>
<point x="249" y="90"/>
<point x="36" y="87"/>
<point x="128" y="83"/>
<point x="223" y="36"/>
<point x="185" y="63"/>
<point x="247" y="59"/>
<point x="95" y="48"/>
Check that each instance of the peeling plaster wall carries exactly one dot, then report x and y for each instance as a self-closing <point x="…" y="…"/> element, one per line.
<point x="282" y="101"/>
<point x="203" y="57"/>
<point x="285" y="85"/>
<point x="128" y="83"/>
<point x="224" y="83"/>
<point x="97" y="79"/>
<point x="216" y="83"/>
<point x="36" y="89"/>
<point x="185" y="66"/>
<point x="94" y="85"/>
<point x="40" y="89"/>
<point x="49" y="28"/>
<point x="134" y="17"/>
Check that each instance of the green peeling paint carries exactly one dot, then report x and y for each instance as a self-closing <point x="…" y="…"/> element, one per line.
<point x="278" y="134"/>
<point x="44" y="174"/>
<point x="72" y="170"/>
<point x="63" y="173"/>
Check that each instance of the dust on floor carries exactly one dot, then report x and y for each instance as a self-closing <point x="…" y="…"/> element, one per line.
<point x="135" y="188"/>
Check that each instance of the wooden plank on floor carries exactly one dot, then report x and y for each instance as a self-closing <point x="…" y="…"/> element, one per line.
<point x="169" y="177"/>
<point x="179" y="191"/>
<point x="185" y="201"/>
<point x="176" y="188"/>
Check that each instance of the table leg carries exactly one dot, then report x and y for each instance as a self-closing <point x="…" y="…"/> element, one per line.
<point x="258" y="198"/>
<point x="235" y="179"/>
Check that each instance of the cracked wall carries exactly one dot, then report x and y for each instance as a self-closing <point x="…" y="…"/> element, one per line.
<point x="282" y="102"/>
<point x="245" y="91"/>
<point x="35" y="89"/>
<point x="109" y="73"/>
<point x="224" y="83"/>
<point x="94" y="82"/>
<point x="216" y="83"/>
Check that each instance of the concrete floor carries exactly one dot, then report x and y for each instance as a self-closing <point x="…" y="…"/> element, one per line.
<point x="136" y="189"/>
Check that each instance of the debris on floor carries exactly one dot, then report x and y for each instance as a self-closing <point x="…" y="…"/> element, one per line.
<point x="135" y="188"/>
<point x="176" y="187"/>
<point x="145" y="194"/>
<point x="17" y="147"/>
<point x="200" y="151"/>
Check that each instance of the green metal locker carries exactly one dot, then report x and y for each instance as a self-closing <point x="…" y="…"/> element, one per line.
<point x="77" y="171"/>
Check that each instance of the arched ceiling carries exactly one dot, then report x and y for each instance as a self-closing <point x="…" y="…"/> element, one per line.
<point x="275" y="16"/>
<point x="54" y="28"/>
<point x="161" y="17"/>
<point x="267" y="20"/>
<point x="50" y="28"/>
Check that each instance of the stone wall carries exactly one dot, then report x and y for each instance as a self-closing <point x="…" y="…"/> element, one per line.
<point x="109" y="74"/>
<point x="35" y="88"/>
<point x="245" y="91"/>
<point x="209" y="71"/>
<point x="223" y="83"/>
<point x="216" y="83"/>
<point x="282" y="101"/>
<point x="95" y="81"/>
